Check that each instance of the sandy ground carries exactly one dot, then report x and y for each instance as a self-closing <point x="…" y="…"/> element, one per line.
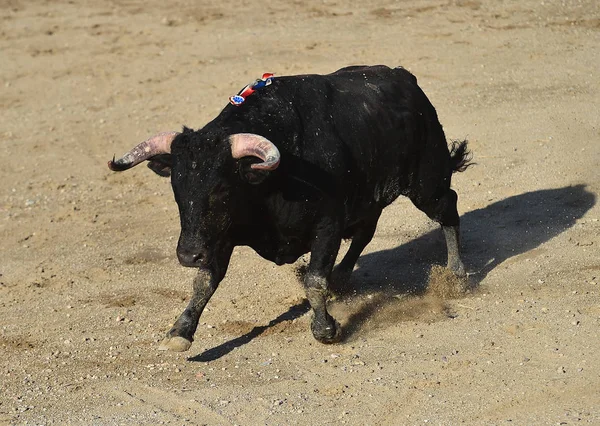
<point x="90" y="283"/>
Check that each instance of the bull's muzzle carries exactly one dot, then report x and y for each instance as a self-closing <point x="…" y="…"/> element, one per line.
<point x="192" y="258"/>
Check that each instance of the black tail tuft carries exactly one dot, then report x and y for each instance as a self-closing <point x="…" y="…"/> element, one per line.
<point x="460" y="156"/>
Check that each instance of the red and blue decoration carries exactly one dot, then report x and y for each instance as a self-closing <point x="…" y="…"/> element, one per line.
<point x="239" y="99"/>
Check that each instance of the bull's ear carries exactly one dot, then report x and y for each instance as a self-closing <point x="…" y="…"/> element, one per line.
<point x="161" y="164"/>
<point x="249" y="174"/>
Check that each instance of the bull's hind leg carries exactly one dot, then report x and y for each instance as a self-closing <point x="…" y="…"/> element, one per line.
<point x="443" y="210"/>
<point x="361" y="238"/>
<point x="452" y="234"/>
<point x="316" y="281"/>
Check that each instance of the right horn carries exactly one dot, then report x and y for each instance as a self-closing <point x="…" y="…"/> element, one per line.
<point x="249" y="144"/>
<point x="159" y="144"/>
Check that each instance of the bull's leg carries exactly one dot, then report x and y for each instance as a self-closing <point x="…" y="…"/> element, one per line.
<point x="443" y="210"/>
<point x="452" y="234"/>
<point x="181" y="335"/>
<point x="323" y="253"/>
<point x="363" y="236"/>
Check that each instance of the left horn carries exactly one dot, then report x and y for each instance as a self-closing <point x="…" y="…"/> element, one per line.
<point x="249" y="144"/>
<point x="159" y="144"/>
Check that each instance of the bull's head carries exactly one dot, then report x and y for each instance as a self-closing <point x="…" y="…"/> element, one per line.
<point x="206" y="184"/>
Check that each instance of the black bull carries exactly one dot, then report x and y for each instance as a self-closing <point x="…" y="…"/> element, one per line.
<point x="302" y="163"/>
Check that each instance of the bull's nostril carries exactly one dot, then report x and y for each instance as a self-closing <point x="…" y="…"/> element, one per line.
<point x="191" y="258"/>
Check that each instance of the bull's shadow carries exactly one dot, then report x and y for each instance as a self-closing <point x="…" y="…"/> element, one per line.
<point x="490" y="236"/>
<point x="217" y="352"/>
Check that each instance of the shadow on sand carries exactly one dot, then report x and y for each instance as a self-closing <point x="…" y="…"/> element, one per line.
<point x="490" y="236"/>
<point x="217" y="352"/>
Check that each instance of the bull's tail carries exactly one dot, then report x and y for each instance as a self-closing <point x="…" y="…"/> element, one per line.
<point x="460" y="156"/>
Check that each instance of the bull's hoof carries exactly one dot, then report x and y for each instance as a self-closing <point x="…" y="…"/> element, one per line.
<point x="460" y="272"/>
<point x="457" y="268"/>
<point x="174" y="344"/>
<point x="328" y="334"/>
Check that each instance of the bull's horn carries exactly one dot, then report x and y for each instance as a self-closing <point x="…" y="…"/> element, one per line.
<point x="159" y="144"/>
<point x="249" y="144"/>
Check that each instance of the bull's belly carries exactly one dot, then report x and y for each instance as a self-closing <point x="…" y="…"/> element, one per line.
<point x="284" y="251"/>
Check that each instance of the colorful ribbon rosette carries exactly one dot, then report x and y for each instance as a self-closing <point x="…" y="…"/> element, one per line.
<point x="239" y="99"/>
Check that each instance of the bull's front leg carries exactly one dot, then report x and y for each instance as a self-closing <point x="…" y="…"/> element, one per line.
<point x="181" y="335"/>
<point x="316" y="281"/>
